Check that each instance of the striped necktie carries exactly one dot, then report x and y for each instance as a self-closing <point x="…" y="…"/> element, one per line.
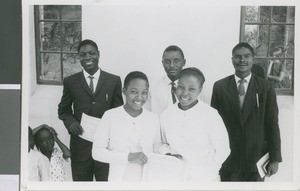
<point x="173" y="89"/>
<point x="241" y="90"/>
<point x="91" y="86"/>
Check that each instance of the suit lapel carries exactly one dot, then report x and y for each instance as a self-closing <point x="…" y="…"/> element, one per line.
<point x="250" y="99"/>
<point x="100" y="82"/>
<point x="232" y="96"/>
<point x="84" y="84"/>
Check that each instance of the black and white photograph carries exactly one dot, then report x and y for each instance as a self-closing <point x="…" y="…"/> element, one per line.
<point x="160" y="95"/>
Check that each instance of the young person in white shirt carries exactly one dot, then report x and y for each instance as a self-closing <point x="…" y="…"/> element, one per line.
<point x="38" y="164"/>
<point x="194" y="131"/>
<point x="127" y="133"/>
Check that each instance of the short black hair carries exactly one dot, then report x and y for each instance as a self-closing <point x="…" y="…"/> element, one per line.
<point x="87" y="42"/>
<point x="135" y="75"/>
<point x="243" y="45"/>
<point x="36" y="136"/>
<point x="193" y="71"/>
<point x="173" y="48"/>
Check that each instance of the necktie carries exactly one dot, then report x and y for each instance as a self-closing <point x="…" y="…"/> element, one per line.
<point x="241" y="90"/>
<point x="91" y="86"/>
<point x="173" y="89"/>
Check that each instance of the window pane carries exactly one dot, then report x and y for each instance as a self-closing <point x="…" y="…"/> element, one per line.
<point x="290" y="31"/>
<point x="50" y="36"/>
<point x="265" y="13"/>
<point x="251" y="14"/>
<point x="279" y="14"/>
<point x="290" y="15"/>
<point x="50" y="67"/>
<point x="257" y="37"/>
<point x="282" y="66"/>
<point x="71" y="12"/>
<point x="71" y="64"/>
<point x="49" y="12"/>
<point x="263" y="62"/>
<point x="277" y="38"/>
<point x="71" y="36"/>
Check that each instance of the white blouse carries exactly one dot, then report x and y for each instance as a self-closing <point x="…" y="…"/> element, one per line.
<point x="200" y="136"/>
<point x="119" y="134"/>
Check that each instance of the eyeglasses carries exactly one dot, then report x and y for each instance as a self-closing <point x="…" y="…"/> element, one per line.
<point x="176" y="61"/>
<point x="242" y="57"/>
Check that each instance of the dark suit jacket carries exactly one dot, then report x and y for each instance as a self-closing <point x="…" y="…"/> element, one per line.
<point x="252" y="131"/>
<point x="77" y="98"/>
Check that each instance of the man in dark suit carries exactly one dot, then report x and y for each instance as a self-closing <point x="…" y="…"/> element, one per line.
<point x="248" y="106"/>
<point x="92" y="91"/>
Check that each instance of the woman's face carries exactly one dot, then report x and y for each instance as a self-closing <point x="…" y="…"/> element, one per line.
<point x="187" y="91"/>
<point x="136" y="93"/>
<point x="45" y="140"/>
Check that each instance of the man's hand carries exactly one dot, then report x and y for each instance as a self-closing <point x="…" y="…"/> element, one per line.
<point x="138" y="157"/>
<point x="75" y="128"/>
<point x="272" y="168"/>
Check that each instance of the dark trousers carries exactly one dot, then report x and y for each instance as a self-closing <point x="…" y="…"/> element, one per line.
<point x="84" y="170"/>
<point x="240" y="177"/>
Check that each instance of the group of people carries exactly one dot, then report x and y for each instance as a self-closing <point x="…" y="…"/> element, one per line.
<point x="221" y="142"/>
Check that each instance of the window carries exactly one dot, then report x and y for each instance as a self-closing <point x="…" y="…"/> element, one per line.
<point x="58" y="33"/>
<point x="270" y="31"/>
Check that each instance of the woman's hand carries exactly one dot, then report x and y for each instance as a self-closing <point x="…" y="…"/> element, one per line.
<point x="174" y="155"/>
<point x="138" y="157"/>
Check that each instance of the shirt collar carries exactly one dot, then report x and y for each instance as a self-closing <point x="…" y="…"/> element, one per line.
<point x="96" y="75"/>
<point x="237" y="79"/>
<point x="167" y="80"/>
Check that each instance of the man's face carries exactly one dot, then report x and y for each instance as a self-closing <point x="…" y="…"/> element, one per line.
<point x="242" y="60"/>
<point x="173" y="63"/>
<point x="89" y="58"/>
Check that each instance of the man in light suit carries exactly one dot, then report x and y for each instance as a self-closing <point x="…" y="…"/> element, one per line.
<point x="92" y="91"/>
<point x="248" y="106"/>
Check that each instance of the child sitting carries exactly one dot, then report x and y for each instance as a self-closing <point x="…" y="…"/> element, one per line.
<point x="38" y="164"/>
<point x="45" y="138"/>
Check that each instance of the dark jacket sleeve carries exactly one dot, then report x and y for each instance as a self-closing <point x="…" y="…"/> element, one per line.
<point x="214" y="99"/>
<point x="65" y="112"/>
<point x="272" y="127"/>
<point x="117" y="99"/>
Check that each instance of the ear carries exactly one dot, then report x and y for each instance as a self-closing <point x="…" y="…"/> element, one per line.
<point x="184" y="62"/>
<point x="124" y="90"/>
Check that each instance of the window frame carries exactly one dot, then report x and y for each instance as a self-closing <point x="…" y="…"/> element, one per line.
<point x="269" y="24"/>
<point x="39" y="51"/>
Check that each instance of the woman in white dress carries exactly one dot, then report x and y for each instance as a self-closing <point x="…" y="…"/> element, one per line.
<point x="195" y="131"/>
<point x="128" y="133"/>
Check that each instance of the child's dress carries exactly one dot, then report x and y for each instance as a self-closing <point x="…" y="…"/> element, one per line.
<point x="57" y="171"/>
<point x="38" y="166"/>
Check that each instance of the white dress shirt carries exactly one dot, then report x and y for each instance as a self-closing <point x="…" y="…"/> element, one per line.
<point x="161" y="97"/>
<point x="38" y="166"/>
<point x="119" y="134"/>
<point x="200" y="136"/>
<point x="246" y="83"/>
<point x="95" y="79"/>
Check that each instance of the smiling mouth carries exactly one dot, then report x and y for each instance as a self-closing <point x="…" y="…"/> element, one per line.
<point x="138" y="102"/>
<point x="89" y="63"/>
<point x="184" y="99"/>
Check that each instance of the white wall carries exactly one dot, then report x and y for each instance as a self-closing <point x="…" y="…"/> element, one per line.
<point x="134" y="37"/>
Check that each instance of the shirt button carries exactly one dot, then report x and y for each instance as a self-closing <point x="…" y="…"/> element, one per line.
<point x="94" y="102"/>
